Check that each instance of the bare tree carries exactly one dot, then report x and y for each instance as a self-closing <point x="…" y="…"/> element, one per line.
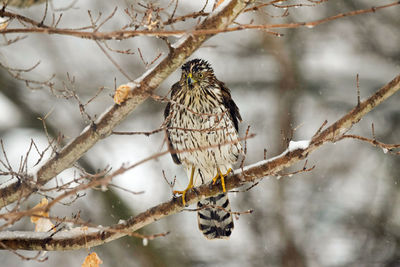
<point x="181" y="35"/>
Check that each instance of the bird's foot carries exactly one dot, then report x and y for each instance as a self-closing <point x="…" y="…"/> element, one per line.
<point x="190" y="186"/>
<point x="222" y="177"/>
<point x="183" y="193"/>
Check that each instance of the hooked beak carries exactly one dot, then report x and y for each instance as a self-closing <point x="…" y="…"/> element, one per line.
<point x="190" y="79"/>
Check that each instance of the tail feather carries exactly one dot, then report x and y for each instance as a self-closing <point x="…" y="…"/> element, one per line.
<point x="216" y="221"/>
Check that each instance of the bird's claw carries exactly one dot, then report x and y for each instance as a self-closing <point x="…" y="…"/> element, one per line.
<point x="222" y="177"/>
<point x="183" y="193"/>
<point x="190" y="186"/>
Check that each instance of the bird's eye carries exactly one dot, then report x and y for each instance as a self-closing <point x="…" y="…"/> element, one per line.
<point x="201" y="75"/>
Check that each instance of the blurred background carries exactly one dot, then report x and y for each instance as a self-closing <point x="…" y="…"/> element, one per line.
<point x="343" y="213"/>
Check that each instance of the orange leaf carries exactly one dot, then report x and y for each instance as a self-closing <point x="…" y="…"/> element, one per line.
<point x="42" y="224"/>
<point x="122" y="94"/>
<point x="42" y="203"/>
<point x="92" y="260"/>
<point x="3" y="23"/>
<point x="218" y="3"/>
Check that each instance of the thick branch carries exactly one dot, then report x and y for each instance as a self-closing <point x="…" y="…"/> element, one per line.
<point x="24" y="3"/>
<point x="117" y="113"/>
<point x="67" y="241"/>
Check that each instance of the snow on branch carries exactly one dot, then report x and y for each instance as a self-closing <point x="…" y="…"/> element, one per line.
<point x="65" y="240"/>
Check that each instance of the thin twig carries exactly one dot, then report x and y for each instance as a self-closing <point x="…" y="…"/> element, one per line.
<point x="124" y="34"/>
<point x="358" y="90"/>
<point x="385" y="147"/>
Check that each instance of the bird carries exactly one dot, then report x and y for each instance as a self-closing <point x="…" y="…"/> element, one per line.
<point x="201" y="120"/>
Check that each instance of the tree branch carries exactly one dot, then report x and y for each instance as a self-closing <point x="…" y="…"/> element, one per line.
<point x="295" y="153"/>
<point x="103" y="127"/>
<point x="199" y="31"/>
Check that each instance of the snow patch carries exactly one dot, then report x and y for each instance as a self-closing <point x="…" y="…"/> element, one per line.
<point x="137" y="81"/>
<point x="104" y="188"/>
<point x="265" y="161"/>
<point x="294" y="145"/>
<point x="180" y="41"/>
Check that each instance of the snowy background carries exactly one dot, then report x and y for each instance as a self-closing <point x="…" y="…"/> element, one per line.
<point x="343" y="213"/>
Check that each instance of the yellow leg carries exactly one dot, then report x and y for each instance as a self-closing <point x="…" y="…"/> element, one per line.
<point x="222" y="177"/>
<point x="190" y="185"/>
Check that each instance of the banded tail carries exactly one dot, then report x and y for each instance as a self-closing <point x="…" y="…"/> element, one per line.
<point x="215" y="222"/>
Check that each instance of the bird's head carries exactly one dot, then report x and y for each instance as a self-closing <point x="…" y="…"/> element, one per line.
<point x="197" y="73"/>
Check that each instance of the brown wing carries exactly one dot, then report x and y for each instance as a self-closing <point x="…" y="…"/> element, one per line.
<point x="174" y="156"/>
<point x="230" y="105"/>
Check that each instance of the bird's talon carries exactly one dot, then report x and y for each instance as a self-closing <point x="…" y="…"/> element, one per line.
<point x="222" y="177"/>
<point x="183" y="193"/>
<point x="190" y="186"/>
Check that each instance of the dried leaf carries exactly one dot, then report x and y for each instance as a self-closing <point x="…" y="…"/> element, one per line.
<point x="92" y="260"/>
<point x="44" y="202"/>
<point x="42" y="224"/>
<point x="3" y="23"/>
<point x="122" y="94"/>
<point x="218" y="3"/>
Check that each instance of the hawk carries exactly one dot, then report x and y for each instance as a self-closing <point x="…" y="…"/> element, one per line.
<point x="202" y="121"/>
